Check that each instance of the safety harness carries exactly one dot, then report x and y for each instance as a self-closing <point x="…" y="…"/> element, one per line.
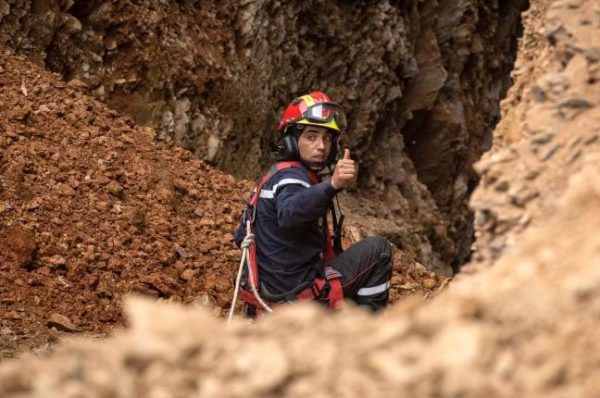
<point x="326" y="289"/>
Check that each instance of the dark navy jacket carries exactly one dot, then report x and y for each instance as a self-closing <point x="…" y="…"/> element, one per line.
<point x="288" y="230"/>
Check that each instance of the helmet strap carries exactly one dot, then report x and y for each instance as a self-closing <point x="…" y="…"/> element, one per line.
<point x="314" y="166"/>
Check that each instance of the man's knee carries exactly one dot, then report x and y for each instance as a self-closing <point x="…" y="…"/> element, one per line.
<point x="380" y="245"/>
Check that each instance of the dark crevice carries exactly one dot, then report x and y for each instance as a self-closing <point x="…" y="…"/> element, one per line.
<point x="82" y="9"/>
<point x="440" y="159"/>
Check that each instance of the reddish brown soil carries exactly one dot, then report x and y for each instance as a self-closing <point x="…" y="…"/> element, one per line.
<point x="525" y="327"/>
<point x="91" y="208"/>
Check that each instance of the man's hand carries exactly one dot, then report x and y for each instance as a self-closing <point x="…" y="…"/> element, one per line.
<point x="344" y="173"/>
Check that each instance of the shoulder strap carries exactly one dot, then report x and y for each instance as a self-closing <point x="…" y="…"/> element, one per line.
<point x="328" y="252"/>
<point x="253" y="205"/>
<point x="276" y="168"/>
<point x="314" y="178"/>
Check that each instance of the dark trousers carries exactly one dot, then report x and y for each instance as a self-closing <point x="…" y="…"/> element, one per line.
<point x="366" y="269"/>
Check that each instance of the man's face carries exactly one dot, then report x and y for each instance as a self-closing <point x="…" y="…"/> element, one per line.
<point x="314" y="144"/>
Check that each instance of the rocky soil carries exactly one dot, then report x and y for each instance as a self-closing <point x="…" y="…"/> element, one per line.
<point x="91" y="209"/>
<point x="525" y="326"/>
<point x="551" y="121"/>
<point x="421" y="81"/>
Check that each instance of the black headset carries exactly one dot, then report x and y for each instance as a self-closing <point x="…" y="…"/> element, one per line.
<point x="287" y="148"/>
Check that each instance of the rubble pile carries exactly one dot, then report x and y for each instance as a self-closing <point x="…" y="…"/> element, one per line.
<point x="551" y="120"/>
<point x="92" y="208"/>
<point x="526" y="327"/>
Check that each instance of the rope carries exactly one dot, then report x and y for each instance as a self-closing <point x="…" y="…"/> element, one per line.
<point x="247" y="242"/>
<point x="245" y="246"/>
<point x="239" y="276"/>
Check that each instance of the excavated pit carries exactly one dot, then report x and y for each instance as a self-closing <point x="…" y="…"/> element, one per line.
<point x="83" y="190"/>
<point x="93" y="209"/>
<point x="421" y="82"/>
<point x="214" y="78"/>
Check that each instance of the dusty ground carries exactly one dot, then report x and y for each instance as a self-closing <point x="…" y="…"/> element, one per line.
<point x="527" y="326"/>
<point x="92" y="209"/>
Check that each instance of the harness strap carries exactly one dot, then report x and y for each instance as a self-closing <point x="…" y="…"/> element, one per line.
<point x="254" y="204"/>
<point x="336" y="292"/>
<point x="329" y="253"/>
<point x="334" y="296"/>
<point x="272" y="171"/>
<point x="327" y="290"/>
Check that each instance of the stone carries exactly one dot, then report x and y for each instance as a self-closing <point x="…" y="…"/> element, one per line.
<point x="4" y="9"/>
<point x="61" y="322"/>
<point x="181" y="252"/>
<point x="34" y="204"/>
<point x="542" y="138"/>
<point x="115" y="189"/>
<point x="67" y="190"/>
<point x="576" y="103"/>
<point x="206" y="301"/>
<point x="538" y="93"/>
<point x="43" y="108"/>
<point x="56" y="261"/>
<point x="188" y="274"/>
<point x="592" y="55"/>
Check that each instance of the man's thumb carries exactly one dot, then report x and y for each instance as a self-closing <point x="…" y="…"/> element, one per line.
<point x="346" y="153"/>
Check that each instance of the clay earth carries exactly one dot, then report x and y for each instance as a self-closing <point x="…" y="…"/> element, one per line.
<point x="127" y="149"/>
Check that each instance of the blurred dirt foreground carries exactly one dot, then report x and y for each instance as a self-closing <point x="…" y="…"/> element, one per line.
<point x="528" y="326"/>
<point x="523" y="322"/>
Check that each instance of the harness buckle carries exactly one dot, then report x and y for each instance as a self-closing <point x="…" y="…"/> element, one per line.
<point x="331" y="273"/>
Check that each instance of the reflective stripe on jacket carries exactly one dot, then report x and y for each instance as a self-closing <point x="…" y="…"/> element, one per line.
<point x="288" y="232"/>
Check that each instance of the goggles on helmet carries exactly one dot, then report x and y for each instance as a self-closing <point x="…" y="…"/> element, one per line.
<point x="324" y="113"/>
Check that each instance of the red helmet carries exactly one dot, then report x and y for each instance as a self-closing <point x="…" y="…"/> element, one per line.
<point x="314" y="109"/>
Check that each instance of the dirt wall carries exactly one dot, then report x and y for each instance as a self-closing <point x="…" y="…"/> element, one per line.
<point x="551" y="119"/>
<point x="420" y="80"/>
<point x="525" y="327"/>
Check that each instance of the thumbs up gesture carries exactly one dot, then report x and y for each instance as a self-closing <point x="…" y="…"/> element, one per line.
<point x="345" y="171"/>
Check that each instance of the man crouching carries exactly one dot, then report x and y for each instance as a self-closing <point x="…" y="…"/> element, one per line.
<point x="293" y="251"/>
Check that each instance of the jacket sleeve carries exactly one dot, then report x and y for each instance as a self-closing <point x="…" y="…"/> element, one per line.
<point x="299" y="204"/>
<point x="240" y="233"/>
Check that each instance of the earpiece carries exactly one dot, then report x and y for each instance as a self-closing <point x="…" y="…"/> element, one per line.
<point x="288" y="148"/>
